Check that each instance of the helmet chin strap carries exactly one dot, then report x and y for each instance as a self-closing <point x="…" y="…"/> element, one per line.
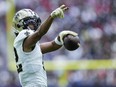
<point x="30" y="28"/>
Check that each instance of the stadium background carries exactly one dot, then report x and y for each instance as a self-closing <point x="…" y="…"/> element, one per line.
<point x="93" y="64"/>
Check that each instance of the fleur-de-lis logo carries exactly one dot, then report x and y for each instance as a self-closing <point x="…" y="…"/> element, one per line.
<point x="27" y="33"/>
<point x="16" y="17"/>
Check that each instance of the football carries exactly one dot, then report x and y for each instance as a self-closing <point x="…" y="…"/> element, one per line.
<point x="71" y="43"/>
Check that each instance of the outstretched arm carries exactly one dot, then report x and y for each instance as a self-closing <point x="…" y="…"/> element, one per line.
<point x="32" y="39"/>
<point x="49" y="47"/>
<point x="57" y="43"/>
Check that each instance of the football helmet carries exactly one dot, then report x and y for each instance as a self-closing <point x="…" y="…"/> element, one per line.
<point x="23" y="18"/>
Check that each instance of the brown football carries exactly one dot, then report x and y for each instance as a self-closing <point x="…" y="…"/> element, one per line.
<point x="71" y="43"/>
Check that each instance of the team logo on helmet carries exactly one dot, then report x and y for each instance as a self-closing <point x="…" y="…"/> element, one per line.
<point x="25" y="17"/>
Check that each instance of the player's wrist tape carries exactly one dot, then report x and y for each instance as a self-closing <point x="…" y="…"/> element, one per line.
<point x="57" y="42"/>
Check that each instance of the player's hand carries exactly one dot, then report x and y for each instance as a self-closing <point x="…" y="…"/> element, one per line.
<point x="60" y="37"/>
<point x="59" y="12"/>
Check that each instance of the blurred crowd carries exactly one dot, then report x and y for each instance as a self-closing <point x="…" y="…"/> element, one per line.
<point x="95" y="22"/>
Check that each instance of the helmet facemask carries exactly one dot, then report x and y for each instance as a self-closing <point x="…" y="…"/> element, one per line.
<point x="33" y="21"/>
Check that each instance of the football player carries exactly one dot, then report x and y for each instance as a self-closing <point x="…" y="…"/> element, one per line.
<point x="28" y="51"/>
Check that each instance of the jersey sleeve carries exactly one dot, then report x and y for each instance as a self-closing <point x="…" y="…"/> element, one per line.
<point x="22" y="35"/>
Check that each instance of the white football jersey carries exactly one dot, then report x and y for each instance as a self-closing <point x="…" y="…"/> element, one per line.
<point x="29" y="64"/>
